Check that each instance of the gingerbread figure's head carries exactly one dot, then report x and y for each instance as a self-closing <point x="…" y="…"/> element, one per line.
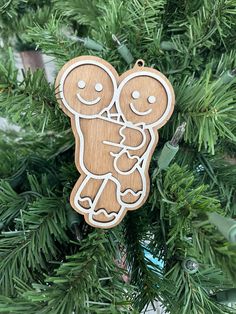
<point x="145" y="96"/>
<point x="86" y="86"/>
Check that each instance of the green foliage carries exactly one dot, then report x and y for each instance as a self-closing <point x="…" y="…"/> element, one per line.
<point x="44" y="266"/>
<point x="27" y="249"/>
<point x="211" y="113"/>
<point x="81" y="284"/>
<point x="179" y="207"/>
<point x="51" y="39"/>
<point x="16" y="16"/>
<point x="24" y="104"/>
<point x="219" y="172"/>
<point x="190" y="295"/>
<point x="146" y="275"/>
<point x="83" y="12"/>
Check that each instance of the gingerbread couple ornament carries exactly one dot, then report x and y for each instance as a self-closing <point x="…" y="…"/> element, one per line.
<point x="115" y="121"/>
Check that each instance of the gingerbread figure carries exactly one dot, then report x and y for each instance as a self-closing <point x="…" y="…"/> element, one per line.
<point x="116" y="133"/>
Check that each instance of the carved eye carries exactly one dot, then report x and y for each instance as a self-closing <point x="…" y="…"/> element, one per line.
<point x="81" y="84"/>
<point x="151" y="99"/>
<point x="135" y="94"/>
<point x="98" y="87"/>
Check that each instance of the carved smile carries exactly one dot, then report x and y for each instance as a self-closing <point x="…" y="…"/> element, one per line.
<point x="87" y="102"/>
<point x="140" y="113"/>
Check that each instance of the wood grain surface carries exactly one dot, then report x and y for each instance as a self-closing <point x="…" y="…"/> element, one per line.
<point x="115" y="121"/>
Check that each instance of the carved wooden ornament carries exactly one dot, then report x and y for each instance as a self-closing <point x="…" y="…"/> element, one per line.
<point x="115" y="121"/>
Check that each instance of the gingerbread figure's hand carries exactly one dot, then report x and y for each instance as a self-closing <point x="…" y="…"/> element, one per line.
<point x="124" y="163"/>
<point x="132" y="137"/>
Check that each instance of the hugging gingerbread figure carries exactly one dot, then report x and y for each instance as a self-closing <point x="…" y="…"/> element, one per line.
<point x="115" y="122"/>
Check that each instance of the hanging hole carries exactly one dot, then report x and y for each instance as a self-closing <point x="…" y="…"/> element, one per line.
<point x="140" y="63"/>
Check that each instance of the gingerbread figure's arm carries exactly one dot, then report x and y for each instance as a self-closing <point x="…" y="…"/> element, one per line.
<point x="128" y="159"/>
<point x="131" y="138"/>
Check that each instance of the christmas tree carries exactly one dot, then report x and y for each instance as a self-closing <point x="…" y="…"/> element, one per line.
<point x="180" y="247"/>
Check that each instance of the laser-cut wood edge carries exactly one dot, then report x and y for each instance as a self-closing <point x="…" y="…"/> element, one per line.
<point x="77" y="144"/>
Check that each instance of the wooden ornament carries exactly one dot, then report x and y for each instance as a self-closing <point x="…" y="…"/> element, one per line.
<point x="115" y="121"/>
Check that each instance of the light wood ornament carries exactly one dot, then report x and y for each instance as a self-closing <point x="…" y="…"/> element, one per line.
<point x="115" y="121"/>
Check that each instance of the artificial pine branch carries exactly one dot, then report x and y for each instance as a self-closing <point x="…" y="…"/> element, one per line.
<point x="80" y="284"/>
<point x="193" y="44"/>
<point x="26" y="251"/>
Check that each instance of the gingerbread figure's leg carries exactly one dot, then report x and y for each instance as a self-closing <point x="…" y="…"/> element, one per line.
<point x="106" y="210"/>
<point x="84" y="192"/>
<point x="133" y="188"/>
<point x="131" y="172"/>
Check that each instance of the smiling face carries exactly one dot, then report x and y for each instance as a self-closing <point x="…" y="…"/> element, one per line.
<point x="87" y="88"/>
<point x="145" y="97"/>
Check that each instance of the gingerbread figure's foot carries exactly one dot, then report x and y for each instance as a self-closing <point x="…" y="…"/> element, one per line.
<point x="85" y="203"/>
<point x="102" y="219"/>
<point x="130" y="197"/>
